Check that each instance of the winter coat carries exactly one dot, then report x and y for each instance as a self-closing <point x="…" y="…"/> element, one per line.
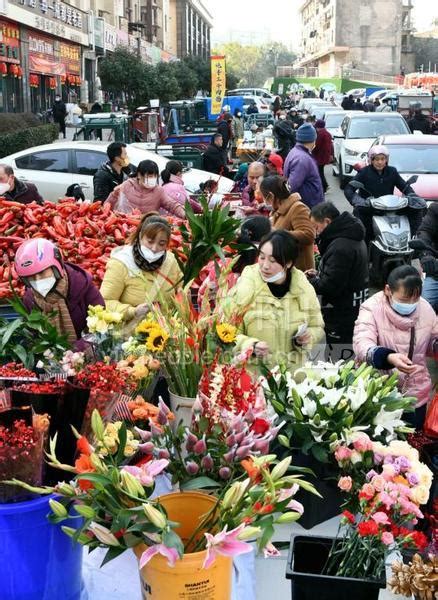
<point x="379" y="325"/>
<point x="106" y="179"/>
<point x="294" y="216"/>
<point x="24" y="193"/>
<point x="275" y="320"/>
<point x="302" y="174"/>
<point x="59" y="111"/>
<point x="323" y="151"/>
<point x="342" y="279"/>
<point x="125" y="285"/>
<point x="237" y="129"/>
<point x="214" y="161"/>
<point x="144" y="199"/>
<point x="224" y="128"/>
<point x="82" y="293"/>
<point x="175" y="190"/>
<point x="377" y="184"/>
<point x="420" y="123"/>
<point x="285" y="134"/>
<point x="428" y="230"/>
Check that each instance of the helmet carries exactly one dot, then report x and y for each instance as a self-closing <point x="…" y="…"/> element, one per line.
<point x="379" y="149"/>
<point x="33" y="256"/>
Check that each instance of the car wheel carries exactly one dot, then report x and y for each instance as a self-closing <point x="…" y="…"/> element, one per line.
<point x="342" y="179"/>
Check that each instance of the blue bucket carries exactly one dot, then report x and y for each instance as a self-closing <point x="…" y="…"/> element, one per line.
<point x="37" y="560"/>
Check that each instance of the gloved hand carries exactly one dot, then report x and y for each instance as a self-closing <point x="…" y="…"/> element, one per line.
<point x="357" y="201"/>
<point x="429" y="265"/>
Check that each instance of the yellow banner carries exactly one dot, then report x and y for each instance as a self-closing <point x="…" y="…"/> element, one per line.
<point x="218" y="83"/>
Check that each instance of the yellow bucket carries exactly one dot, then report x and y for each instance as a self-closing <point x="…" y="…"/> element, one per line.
<point x="187" y="580"/>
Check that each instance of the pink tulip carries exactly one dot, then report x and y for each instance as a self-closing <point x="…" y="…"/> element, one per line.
<point x="170" y="553"/>
<point x="146" y="473"/>
<point x="207" y="462"/>
<point x="191" y="440"/>
<point x="144" y="435"/>
<point x="147" y="447"/>
<point x="163" y="406"/>
<point x="225" y="543"/>
<point x="192" y="468"/>
<point x="231" y="440"/>
<point x="164" y="453"/>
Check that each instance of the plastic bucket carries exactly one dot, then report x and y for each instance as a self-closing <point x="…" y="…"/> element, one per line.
<point x="39" y="562"/>
<point x="181" y="408"/>
<point x="187" y="580"/>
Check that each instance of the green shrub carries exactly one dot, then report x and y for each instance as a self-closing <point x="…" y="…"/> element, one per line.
<point x="27" y="138"/>
<point x="10" y="122"/>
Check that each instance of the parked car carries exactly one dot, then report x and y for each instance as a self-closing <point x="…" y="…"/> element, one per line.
<point x="334" y="118"/>
<point x="354" y="137"/>
<point x="261" y="92"/>
<point x="378" y="95"/>
<point x="263" y="104"/>
<point x="319" y="110"/>
<point x="306" y="103"/>
<point x="415" y="155"/>
<point x="54" y="167"/>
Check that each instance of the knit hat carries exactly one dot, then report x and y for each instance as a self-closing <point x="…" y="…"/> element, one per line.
<point x="277" y="161"/>
<point x="306" y="133"/>
<point x="320" y="123"/>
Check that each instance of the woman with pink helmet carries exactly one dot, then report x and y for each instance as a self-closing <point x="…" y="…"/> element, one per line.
<point x="62" y="290"/>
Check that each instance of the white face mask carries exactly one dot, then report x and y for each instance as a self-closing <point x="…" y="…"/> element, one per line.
<point x="150" y="182"/>
<point x="43" y="286"/>
<point x="274" y="278"/>
<point x="151" y="256"/>
<point x="4" y="187"/>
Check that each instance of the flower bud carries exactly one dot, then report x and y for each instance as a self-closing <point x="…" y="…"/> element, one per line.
<point x="234" y="494"/>
<point x="162" y="418"/>
<point x="249" y="533"/>
<point x="288" y="517"/>
<point x="191" y="440"/>
<point x="231" y="440"/>
<point x="155" y="516"/>
<point x="243" y="451"/>
<point x="97" y="463"/>
<point x="261" y="446"/>
<point x="163" y="406"/>
<point x="192" y="468"/>
<point x="207" y="462"/>
<point x="103" y="534"/>
<point x="65" y="489"/>
<point x="200" y="447"/>
<point x="197" y="407"/>
<point x="225" y="473"/>
<point x="164" y="453"/>
<point x="147" y="447"/>
<point x="85" y="511"/>
<point x="144" y="435"/>
<point x="240" y="437"/>
<point x="131" y="484"/>
<point x="58" y="509"/>
<point x="284" y="441"/>
<point x="279" y="470"/>
<point x="229" y="456"/>
<point x="97" y="424"/>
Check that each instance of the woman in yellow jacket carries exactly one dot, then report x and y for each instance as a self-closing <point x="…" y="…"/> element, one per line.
<point x="282" y="317"/>
<point x="141" y="272"/>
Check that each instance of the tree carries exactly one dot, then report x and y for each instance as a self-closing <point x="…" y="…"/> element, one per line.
<point x="165" y="85"/>
<point x="186" y="77"/>
<point x="122" y="71"/>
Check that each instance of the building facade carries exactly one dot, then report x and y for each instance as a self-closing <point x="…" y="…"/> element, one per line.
<point x="374" y="36"/>
<point x="189" y="30"/>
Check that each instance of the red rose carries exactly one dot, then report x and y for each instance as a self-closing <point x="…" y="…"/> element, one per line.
<point x="367" y="528"/>
<point x="260" y="426"/>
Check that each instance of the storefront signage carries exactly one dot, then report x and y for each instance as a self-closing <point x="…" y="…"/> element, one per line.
<point x="110" y="37"/>
<point x="55" y="9"/>
<point x="9" y="43"/>
<point x="51" y="57"/>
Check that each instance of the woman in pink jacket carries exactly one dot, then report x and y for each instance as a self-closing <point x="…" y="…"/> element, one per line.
<point x="396" y="329"/>
<point x="173" y="185"/>
<point x="143" y="193"/>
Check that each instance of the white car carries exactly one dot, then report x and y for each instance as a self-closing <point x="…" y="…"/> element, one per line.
<point x="54" y="167"/>
<point x="354" y="137"/>
<point x="261" y="92"/>
<point x="263" y="104"/>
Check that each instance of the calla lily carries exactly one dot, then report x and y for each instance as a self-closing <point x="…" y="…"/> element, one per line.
<point x="170" y="553"/>
<point x="225" y="543"/>
<point x="146" y="473"/>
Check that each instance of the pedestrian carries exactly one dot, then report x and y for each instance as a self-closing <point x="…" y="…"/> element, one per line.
<point x="295" y="118"/>
<point x="419" y="121"/>
<point x="323" y="151"/>
<point x="61" y="290"/>
<point x="281" y="315"/>
<point x="213" y="159"/>
<point x="113" y="172"/>
<point x="59" y="112"/>
<point x="12" y="188"/>
<point x="347" y="102"/>
<point x="396" y="329"/>
<point x="358" y="104"/>
<point x="143" y="193"/>
<point x="94" y="110"/>
<point x="224" y="128"/>
<point x="376" y="104"/>
<point x="241" y="177"/>
<point x="289" y="213"/>
<point x="237" y="130"/>
<point x="342" y="275"/>
<point x="369" y="106"/>
<point x="173" y="185"/>
<point x="301" y="168"/>
<point x="142" y="272"/>
<point x="385" y="105"/>
<point x="276" y="106"/>
<point x="274" y="164"/>
<point x="284" y="134"/>
<point x="256" y="171"/>
<point x="252" y="108"/>
<point x="428" y="232"/>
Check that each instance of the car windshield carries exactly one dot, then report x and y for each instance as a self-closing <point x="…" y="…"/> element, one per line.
<point x="373" y="127"/>
<point x="421" y="158"/>
<point x="335" y="120"/>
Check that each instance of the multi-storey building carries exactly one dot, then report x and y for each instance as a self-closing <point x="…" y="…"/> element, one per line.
<point x="189" y="28"/>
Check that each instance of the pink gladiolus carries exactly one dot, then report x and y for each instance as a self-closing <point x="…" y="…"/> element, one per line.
<point x="170" y="553"/>
<point x="271" y="551"/>
<point x="147" y="472"/>
<point x="225" y="543"/>
<point x="380" y="518"/>
<point x="147" y="447"/>
<point x="144" y="435"/>
<point x="345" y="484"/>
<point x="342" y="453"/>
<point x="387" y="538"/>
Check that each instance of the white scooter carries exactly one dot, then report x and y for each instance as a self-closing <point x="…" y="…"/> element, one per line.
<point x="389" y="247"/>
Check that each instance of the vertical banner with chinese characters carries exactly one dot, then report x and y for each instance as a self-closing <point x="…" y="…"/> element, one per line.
<point x="218" y="83"/>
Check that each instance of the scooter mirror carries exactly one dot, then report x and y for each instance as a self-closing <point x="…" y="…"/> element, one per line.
<point x="412" y="179"/>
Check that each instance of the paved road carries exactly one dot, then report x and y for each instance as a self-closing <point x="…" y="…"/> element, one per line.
<point x="334" y="193"/>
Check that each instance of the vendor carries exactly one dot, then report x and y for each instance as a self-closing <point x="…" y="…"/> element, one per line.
<point x="139" y="273"/>
<point x="62" y="291"/>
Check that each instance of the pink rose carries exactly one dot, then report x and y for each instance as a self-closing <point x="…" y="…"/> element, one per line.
<point x="378" y="482"/>
<point x="342" y="453"/>
<point x="387" y="538"/>
<point x="362" y="443"/>
<point x="388" y="472"/>
<point x="380" y="518"/>
<point x="345" y="484"/>
<point x="367" y="491"/>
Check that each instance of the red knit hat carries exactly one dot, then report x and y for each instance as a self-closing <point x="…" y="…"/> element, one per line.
<point x="277" y="161"/>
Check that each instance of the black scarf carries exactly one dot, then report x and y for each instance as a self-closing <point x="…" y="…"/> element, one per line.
<point x="144" y="264"/>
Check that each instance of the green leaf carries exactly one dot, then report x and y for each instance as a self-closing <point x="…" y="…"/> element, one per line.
<point x="113" y="552"/>
<point x="320" y="453"/>
<point x="122" y="443"/>
<point x="22" y="354"/>
<point x="172" y="540"/>
<point x="13" y="326"/>
<point x="199" y="483"/>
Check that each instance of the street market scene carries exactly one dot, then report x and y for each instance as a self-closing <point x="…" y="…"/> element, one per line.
<point x="218" y="300"/>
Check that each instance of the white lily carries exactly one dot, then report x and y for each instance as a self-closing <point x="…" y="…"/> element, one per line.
<point x="309" y="407"/>
<point x="388" y="421"/>
<point x="357" y="395"/>
<point x="331" y="396"/>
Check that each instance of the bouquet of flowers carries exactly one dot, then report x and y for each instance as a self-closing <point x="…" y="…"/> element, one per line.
<point x="140" y="372"/>
<point x="323" y="404"/>
<point x="385" y="489"/>
<point x="105" y="332"/>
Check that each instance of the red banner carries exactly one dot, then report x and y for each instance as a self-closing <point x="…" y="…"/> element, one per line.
<point x="9" y="43"/>
<point x="45" y="66"/>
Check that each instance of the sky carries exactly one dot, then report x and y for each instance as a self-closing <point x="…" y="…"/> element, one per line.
<point x="278" y="19"/>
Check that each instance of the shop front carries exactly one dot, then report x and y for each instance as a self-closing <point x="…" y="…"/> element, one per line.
<point x="11" y="72"/>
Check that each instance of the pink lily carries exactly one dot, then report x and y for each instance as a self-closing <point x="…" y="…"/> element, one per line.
<point x="270" y="550"/>
<point x="170" y="553"/>
<point x="147" y="472"/>
<point x="225" y="543"/>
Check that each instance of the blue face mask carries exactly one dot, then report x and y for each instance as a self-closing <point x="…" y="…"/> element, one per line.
<point x="404" y="309"/>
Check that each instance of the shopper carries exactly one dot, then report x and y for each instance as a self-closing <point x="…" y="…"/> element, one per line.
<point x="59" y="289"/>
<point x="281" y="314"/>
<point x="59" y="112"/>
<point x="396" y="329"/>
<point x="256" y="171"/>
<point x="323" y="151"/>
<point x="12" y="188"/>
<point x="144" y="193"/>
<point x="301" y="169"/>
<point x="428" y="232"/>
<point x="173" y="185"/>
<point x="342" y="275"/>
<point x="291" y="214"/>
<point x="113" y="172"/>
<point x="237" y="129"/>
<point x="274" y="164"/>
<point x="141" y="272"/>
<point x="214" y="160"/>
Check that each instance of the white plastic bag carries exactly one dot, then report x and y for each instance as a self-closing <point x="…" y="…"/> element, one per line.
<point x="122" y="205"/>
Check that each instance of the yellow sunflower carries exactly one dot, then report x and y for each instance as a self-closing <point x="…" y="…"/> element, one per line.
<point x="145" y="326"/>
<point x="157" y="339"/>
<point x="226" y="332"/>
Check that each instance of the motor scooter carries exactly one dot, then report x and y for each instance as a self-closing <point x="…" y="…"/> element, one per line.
<point x="389" y="247"/>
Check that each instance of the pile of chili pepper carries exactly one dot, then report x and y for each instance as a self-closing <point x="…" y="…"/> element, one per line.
<point x="15" y="370"/>
<point x="46" y="387"/>
<point x="85" y="232"/>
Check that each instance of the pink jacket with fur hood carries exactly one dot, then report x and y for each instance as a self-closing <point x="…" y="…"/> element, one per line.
<point x="379" y="325"/>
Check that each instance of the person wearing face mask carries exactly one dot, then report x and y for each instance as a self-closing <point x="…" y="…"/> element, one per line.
<point x="141" y="272"/>
<point x="59" y="289"/>
<point x="237" y="130"/>
<point x="281" y="315"/>
<point x="59" y="112"/>
<point x="113" y="172"/>
<point x="12" y="188"/>
<point x="173" y="185"/>
<point x="301" y="169"/>
<point x="144" y="193"/>
<point x="291" y="214"/>
<point x="396" y="329"/>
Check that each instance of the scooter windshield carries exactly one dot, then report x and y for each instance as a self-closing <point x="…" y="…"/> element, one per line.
<point x="389" y="202"/>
